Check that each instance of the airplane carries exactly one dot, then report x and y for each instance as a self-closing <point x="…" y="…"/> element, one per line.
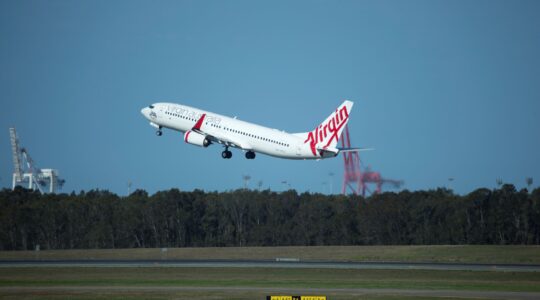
<point x="203" y="128"/>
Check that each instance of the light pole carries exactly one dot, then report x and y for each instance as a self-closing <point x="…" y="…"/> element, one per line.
<point x="331" y="182"/>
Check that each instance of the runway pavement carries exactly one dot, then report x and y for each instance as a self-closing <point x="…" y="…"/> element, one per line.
<point x="276" y="263"/>
<point x="71" y="290"/>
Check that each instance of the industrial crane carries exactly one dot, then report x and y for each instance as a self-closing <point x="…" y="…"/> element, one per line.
<point x="27" y="173"/>
<point x="357" y="180"/>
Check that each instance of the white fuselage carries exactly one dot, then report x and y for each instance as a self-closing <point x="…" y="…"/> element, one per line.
<point x="230" y="131"/>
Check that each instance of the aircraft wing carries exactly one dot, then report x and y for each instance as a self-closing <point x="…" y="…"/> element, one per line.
<point x="197" y="127"/>
<point x="230" y="141"/>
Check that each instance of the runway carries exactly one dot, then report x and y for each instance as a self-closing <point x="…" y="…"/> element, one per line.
<point x="328" y="291"/>
<point x="277" y="263"/>
<point x="150" y="288"/>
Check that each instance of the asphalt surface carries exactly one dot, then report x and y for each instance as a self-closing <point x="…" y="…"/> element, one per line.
<point x="269" y="291"/>
<point x="277" y="263"/>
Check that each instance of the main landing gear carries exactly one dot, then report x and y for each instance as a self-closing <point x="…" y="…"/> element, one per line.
<point x="226" y="154"/>
<point x="250" y="155"/>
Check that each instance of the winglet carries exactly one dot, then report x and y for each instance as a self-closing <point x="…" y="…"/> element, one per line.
<point x="197" y="127"/>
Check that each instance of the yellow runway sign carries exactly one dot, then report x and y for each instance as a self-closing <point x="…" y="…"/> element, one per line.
<point x="295" y="297"/>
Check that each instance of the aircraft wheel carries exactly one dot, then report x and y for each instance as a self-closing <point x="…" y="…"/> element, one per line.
<point x="226" y="154"/>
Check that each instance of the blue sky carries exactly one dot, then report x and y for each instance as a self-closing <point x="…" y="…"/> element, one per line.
<point x="441" y="88"/>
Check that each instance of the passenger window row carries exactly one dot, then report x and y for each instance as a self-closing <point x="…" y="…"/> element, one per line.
<point x="234" y="131"/>
<point x="179" y="116"/>
<point x="256" y="136"/>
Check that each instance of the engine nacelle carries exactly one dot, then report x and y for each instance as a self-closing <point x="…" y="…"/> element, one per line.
<point x="197" y="139"/>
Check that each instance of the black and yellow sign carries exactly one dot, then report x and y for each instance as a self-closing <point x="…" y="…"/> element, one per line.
<point x="295" y="297"/>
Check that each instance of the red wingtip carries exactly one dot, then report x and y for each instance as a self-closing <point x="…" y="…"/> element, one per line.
<point x="199" y="123"/>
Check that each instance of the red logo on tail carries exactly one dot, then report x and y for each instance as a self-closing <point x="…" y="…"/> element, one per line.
<point x="330" y="129"/>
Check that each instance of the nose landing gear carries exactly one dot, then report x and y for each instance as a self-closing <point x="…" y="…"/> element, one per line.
<point x="159" y="132"/>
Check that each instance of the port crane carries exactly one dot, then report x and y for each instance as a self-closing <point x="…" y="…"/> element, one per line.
<point x="355" y="179"/>
<point x="27" y="174"/>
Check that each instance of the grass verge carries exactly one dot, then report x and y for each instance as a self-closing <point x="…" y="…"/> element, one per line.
<point x="272" y="277"/>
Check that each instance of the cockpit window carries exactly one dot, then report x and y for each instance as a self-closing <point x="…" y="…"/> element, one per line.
<point x="151" y="106"/>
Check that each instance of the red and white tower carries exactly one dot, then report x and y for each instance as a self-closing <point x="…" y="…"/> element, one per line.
<point x="354" y="178"/>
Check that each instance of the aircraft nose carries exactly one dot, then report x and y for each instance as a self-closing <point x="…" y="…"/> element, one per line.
<point x="144" y="111"/>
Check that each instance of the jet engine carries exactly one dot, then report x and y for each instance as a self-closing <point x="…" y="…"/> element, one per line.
<point x="197" y="139"/>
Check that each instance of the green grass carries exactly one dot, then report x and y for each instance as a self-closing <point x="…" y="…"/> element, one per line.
<point x="272" y="277"/>
<point x="160" y="283"/>
<point x="443" y="253"/>
<point x="119" y="283"/>
<point x="210" y="295"/>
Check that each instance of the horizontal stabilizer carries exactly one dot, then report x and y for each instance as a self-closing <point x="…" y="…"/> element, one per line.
<point x="357" y="149"/>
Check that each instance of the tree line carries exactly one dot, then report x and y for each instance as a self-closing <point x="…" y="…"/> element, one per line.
<point x="173" y="218"/>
